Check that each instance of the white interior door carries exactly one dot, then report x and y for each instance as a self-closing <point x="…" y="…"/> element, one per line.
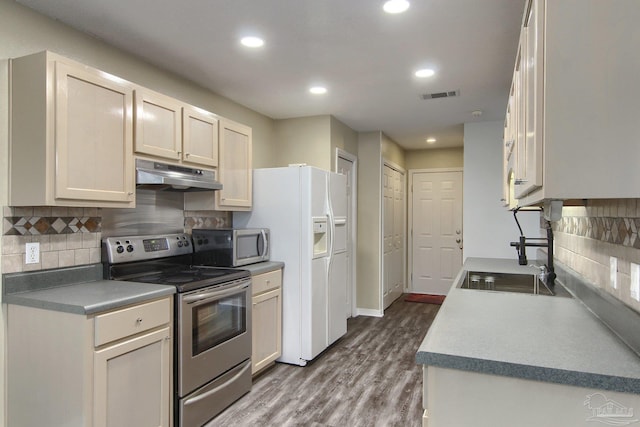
<point x="436" y="214"/>
<point x="346" y="164"/>
<point x="393" y="234"/>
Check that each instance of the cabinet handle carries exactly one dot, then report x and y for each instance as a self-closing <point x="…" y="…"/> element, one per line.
<point x="187" y="154"/>
<point x="519" y="181"/>
<point x="130" y="193"/>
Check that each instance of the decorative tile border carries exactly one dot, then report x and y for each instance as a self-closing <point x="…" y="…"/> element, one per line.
<point x="204" y="222"/>
<point x="39" y="225"/>
<point x="616" y="230"/>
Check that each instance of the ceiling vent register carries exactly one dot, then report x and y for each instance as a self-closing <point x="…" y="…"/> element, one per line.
<point x="436" y="95"/>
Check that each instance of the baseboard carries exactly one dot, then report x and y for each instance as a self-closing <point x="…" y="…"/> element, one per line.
<point x="369" y="312"/>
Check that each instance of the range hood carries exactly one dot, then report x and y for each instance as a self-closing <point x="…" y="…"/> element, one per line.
<point x="158" y="176"/>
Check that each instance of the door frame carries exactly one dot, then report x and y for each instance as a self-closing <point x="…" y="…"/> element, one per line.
<point x="402" y="171"/>
<point x="353" y="224"/>
<point x="412" y="173"/>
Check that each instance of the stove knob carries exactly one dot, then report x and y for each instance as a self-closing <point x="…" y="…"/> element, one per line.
<point x="186" y="243"/>
<point x="130" y="248"/>
<point x="120" y="249"/>
<point x="199" y="241"/>
<point x="179" y="244"/>
<point x="206" y="241"/>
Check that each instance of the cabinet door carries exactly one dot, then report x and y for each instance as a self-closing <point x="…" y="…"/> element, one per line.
<point x="532" y="45"/>
<point x="132" y="381"/>
<point x="200" y="137"/>
<point x="93" y="136"/>
<point x="235" y="167"/>
<point x="519" y="104"/>
<point x="267" y="329"/>
<point x="158" y="121"/>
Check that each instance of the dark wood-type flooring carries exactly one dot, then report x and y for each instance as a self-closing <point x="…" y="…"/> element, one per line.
<point x="368" y="378"/>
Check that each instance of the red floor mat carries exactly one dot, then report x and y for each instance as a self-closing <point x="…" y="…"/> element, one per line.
<point x="426" y="298"/>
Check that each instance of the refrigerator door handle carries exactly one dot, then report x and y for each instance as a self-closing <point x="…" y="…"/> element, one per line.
<point x="331" y="218"/>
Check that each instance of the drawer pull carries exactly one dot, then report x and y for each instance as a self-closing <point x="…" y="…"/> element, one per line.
<point x="139" y="320"/>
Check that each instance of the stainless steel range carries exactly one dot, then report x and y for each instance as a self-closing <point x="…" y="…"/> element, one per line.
<point x="212" y="342"/>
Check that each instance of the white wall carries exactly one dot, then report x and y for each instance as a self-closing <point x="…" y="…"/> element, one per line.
<point x="488" y="226"/>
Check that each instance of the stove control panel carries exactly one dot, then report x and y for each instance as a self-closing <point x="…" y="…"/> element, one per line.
<point x="139" y="248"/>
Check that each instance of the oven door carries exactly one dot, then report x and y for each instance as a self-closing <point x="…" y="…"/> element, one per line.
<point x="214" y="332"/>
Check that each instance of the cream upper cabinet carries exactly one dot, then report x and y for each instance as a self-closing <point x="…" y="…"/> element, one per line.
<point x="580" y="95"/>
<point x="200" y="136"/>
<point x="158" y="121"/>
<point x="71" y="135"/>
<point x="235" y="170"/>
<point x="171" y="129"/>
<point x="266" y="319"/>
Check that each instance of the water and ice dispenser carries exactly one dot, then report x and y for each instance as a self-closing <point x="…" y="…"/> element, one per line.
<point x="320" y="238"/>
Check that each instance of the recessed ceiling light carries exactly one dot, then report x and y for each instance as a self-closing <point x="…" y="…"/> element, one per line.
<point x="431" y="140"/>
<point x="252" y="41"/>
<point x="318" y="90"/>
<point x="425" y="72"/>
<point x="396" y="6"/>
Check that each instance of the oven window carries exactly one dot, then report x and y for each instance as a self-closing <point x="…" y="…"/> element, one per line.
<point x="218" y="321"/>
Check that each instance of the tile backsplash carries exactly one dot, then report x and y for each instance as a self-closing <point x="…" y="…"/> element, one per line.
<point x="69" y="236"/>
<point x="588" y="236"/>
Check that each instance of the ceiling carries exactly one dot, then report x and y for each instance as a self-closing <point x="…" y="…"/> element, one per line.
<point x="365" y="57"/>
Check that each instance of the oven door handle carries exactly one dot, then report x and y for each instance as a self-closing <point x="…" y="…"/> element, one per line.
<point x="218" y="388"/>
<point x="217" y="294"/>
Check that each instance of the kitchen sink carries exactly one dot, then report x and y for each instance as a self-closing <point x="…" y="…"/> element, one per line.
<point x="506" y="282"/>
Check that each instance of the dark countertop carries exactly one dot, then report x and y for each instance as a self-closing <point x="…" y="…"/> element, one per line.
<point x="534" y="337"/>
<point x="263" y="267"/>
<point x="79" y="290"/>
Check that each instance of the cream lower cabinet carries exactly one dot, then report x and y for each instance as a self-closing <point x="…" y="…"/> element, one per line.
<point x="267" y="320"/>
<point x="71" y="135"/>
<point x="455" y="397"/>
<point x="112" y="369"/>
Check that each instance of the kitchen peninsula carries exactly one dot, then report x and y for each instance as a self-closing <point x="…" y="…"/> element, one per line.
<point x="503" y="359"/>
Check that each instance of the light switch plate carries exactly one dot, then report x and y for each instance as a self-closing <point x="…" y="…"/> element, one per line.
<point x="613" y="272"/>
<point x="635" y="282"/>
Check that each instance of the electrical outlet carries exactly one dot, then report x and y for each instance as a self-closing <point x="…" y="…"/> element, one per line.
<point x="33" y="253"/>
<point x="635" y="282"/>
<point x="613" y="272"/>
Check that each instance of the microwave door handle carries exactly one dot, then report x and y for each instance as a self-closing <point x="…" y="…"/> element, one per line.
<point x="217" y="294"/>
<point x="265" y="242"/>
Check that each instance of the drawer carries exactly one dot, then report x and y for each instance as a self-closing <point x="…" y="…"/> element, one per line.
<point x="130" y="321"/>
<point x="266" y="281"/>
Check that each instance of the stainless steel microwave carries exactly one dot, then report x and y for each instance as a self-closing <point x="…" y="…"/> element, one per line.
<point x="230" y="247"/>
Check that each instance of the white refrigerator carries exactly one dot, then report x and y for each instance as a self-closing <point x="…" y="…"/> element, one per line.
<point x="305" y="209"/>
